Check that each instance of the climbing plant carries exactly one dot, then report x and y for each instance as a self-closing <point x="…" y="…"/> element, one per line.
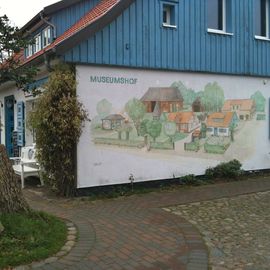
<point x="58" y="120"/>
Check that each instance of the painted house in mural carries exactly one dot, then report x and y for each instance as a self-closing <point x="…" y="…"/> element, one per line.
<point x="244" y="108"/>
<point x="172" y="56"/>
<point x="159" y="100"/>
<point x="221" y="124"/>
<point x="112" y="121"/>
<point x="186" y="122"/>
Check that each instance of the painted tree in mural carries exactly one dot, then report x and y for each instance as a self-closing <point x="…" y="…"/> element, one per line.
<point x="213" y="97"/>
<point x="188" y="94"/>
<point x="136" y="111"/>
<point x="170" y="129"/>
<point x="144" y="132"/>
<point x="154" y="129"/>
<point x="11" y="43"/>
<point x="104" y="108"/>
<point x="259" y="101"/>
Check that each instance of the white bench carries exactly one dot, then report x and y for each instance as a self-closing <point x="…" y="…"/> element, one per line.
<point x="26" y="165"/>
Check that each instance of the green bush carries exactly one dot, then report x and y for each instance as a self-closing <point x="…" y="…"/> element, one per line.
<point x="58" y="120"/>
<point x="231" y="169"/>
<point x="189" y="179"/>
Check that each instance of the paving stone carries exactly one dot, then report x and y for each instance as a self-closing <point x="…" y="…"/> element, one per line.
<point x="135" y="232"/>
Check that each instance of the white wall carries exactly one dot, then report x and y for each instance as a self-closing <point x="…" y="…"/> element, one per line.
<point x="101" y="164"/>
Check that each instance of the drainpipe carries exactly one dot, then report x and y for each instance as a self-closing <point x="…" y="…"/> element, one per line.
<point x="46" y="57"/>
<point x="49" y="23"/>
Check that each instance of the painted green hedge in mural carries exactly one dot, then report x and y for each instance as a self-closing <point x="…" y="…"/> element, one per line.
<point x="162" y="145"/>
<point x="58" y="120"/>
<point x="192" y="146"/>
<point x="112" y="141"/>
<point x="215" y="149"/>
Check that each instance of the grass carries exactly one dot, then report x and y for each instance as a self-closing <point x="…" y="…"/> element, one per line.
<point x="30" y="237"/>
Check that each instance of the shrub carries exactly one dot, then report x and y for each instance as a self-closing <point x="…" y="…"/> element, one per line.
<point x="189" y="179"/>
<point x="58" y="121"/>
<point x="231" y="169"/>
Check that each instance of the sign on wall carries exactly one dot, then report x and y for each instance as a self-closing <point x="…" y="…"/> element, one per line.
<point x="158" y="125"/>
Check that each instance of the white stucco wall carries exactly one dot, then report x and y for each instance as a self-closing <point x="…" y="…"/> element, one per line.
<point x="104" y="164"/>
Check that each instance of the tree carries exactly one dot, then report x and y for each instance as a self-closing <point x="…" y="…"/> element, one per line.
<point x="11" y="44"/>
<point x="259" y="100"/>
<point x="136" y="111"/>
<point x="213" y="97"/>
<point x="154" y="129"/>
<point x="58" y="120"/>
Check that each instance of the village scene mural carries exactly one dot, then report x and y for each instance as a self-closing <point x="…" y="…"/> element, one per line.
<point x="151" y="125"/>
<point x="179" y="119"/>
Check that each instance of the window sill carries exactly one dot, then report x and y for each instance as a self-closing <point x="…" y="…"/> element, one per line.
<point x="262" y="38"/>
<point x="219" y="32"/>
<point x="169" y="26"/>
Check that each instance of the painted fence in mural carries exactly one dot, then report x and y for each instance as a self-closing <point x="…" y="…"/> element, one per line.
<point x="156" y="125"/>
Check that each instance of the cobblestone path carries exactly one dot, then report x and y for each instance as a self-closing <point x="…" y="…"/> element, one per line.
<point x="236" y="230"/>
<point x="135" y="233"/>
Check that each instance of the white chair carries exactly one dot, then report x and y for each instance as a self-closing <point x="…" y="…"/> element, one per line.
<point x="26" y="165"/>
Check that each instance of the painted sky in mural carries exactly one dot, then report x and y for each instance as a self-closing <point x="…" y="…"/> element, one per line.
<point x="161" y="125"/>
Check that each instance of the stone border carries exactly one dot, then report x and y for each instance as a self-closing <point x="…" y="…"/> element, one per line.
<point x="72" y="234"/>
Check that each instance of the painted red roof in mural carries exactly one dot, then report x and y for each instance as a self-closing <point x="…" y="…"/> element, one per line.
<point x="181" y="117"/>
<point x="244" y="104"/>
<point x="219" y="119"/>
<point x="93" y="15"/>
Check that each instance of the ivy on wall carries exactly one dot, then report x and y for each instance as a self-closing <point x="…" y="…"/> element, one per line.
<point x="58" y="120"/>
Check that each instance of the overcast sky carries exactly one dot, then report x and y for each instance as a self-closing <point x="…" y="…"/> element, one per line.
<point x="20" y="12"/>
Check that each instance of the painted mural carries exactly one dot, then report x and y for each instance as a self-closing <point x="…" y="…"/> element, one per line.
<point x="169" y="124"/>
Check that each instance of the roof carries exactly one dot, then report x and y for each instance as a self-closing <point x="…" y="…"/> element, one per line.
<point x="220" y="119"/>
<point x="94" y="20"/>
<point x="180" y="117"/>
<point x="162" y="94"/>
<point x="245" y="104"/>
<point x="47" y="11"/>
<point x="114" y="117"/>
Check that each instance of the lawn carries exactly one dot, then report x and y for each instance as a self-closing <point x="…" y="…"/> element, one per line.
<point x="30" y="237"/>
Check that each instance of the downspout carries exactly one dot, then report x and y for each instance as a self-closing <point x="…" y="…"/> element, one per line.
<point x="50" y="24"/>
<point x="46" y="57"/>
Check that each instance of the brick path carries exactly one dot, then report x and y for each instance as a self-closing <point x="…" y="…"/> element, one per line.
<point x="134" y="232"/>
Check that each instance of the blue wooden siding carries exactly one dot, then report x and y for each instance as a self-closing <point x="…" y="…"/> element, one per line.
<point x="65" y="18"/>
<point x="137" y="39"/>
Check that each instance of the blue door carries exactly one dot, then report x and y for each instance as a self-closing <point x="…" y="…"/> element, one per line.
<point x="9" y="124"/>
<point x="215" y="132"/>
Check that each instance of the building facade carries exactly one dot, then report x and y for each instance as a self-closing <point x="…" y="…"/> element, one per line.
<point x="143" y="60"/>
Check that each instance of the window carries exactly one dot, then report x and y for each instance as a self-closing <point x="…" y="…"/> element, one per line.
<point x="169" y="14"/>
<point x="218" y="14"/>
<point x="46" y="36"/>
<point x="29" y="50"/>
<point x="37" y="44"/>
<point x="261" y="18"/>
<point x="222" y="130"/>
